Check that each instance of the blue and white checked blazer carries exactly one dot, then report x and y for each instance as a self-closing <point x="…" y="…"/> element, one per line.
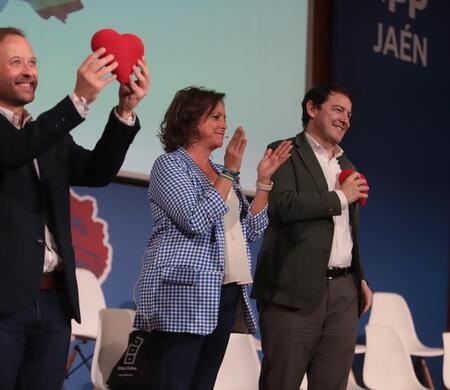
<point x="183" y="265"/>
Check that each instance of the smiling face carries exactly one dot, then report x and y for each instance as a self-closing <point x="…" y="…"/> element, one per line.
<point x="329" y="122"/>
<point x="211" y="128"/>
<point x="18" y="73"/>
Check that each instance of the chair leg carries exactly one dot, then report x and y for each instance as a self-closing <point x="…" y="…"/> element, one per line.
<point x="426" y="374"/>
<point x="70" y="360"/>
<point x="84" y="361"/>
<point x="351" y="377"/>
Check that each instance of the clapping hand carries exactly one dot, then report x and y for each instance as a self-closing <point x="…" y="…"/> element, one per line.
<point x="235" y="150"/>
<point x="272" y="160"/>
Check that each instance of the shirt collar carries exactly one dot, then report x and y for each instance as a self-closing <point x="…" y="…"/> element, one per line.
<point x="319" y="149"/>
<point x="14" y="119"/>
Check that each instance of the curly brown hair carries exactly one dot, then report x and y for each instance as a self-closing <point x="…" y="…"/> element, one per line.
<point x="179" y="126"/>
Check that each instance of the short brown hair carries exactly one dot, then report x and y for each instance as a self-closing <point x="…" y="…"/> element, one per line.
<point x="319" y="94"/>
<point x="5" y="31"/>
<point x="179" y="126"/>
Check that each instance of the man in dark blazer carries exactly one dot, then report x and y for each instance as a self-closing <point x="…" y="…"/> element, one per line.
<point x="309" y="282"/>
<point x="39" y="161"/>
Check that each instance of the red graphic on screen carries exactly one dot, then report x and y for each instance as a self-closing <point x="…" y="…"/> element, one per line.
<point x="90" y="236"/>
<point x="60" y="9"/>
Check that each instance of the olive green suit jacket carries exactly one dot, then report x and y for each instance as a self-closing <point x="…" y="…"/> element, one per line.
<point x="296" y="247"/>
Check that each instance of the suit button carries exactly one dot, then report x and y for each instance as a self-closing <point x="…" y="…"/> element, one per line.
<point x="329" y="210"/>
<point x="40" y="242"/>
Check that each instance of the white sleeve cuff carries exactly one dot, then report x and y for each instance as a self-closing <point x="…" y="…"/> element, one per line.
<point x="80" y="104"/>
<point x="343" y="199"/>
<point x="129" y="121"/>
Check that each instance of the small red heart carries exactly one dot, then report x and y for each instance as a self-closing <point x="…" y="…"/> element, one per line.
<point x="347" y="172"/>
<point x="126" y="48"/>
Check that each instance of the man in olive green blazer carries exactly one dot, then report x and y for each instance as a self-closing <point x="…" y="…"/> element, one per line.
<point x="309" y="282"/>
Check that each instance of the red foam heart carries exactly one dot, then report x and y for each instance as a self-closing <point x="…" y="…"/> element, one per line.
<point x="347" y="172"/>
<point x="126" y="48"/>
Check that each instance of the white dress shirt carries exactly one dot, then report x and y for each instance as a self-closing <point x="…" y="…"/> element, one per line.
<point x="236" y="261"/>
<point x="341" y="249"/>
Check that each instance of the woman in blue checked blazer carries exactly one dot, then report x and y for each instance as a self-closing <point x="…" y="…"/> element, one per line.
<point x="191" y="292"/>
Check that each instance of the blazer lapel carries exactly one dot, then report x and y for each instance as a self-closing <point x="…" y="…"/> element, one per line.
<point x="9" y="128"/>
<point x="306" y="153"/>
<point x="345" y="163"/>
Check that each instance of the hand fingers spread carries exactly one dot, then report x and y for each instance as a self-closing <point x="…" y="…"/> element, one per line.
<point x="100" y="63"/>
<point x="138" y="73"/>
<point x="107" y="80"/>
<point x="238" y="133"/>
<point x="140" y="86"/>
<point x="242" y="144"/>
<point x="283" y="147"/>
<point x="125" y="89"/>
<point x="144" y="70"/>
<point x="92" y="57"/>
<point x="282" y="152"/>
<point x="268" y="153"/>
<point x="353" y="176"/>
<point x="107" y="69"/>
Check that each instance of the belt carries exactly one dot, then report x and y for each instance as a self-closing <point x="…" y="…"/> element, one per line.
<point x="334" y="272"/>
<point x="52" y="281"/>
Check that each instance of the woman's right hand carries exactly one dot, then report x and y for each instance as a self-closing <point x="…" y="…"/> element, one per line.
<point x="235" y="150"/>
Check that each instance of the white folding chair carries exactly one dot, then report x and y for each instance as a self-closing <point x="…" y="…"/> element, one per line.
<point x="387" y="364"/>
<point x="352" y="385"/>
<point x="391" y="309"/>
<point x="114" y="326"/>
<point x="446" y="363"/>
<point x="360" y="349"/>
<point x="92" y="301"/>
<point x="241" y="365"/>
<point x="304" y="384"/>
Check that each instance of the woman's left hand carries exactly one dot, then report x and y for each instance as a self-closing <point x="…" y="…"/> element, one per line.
<point x="272" y="160"/>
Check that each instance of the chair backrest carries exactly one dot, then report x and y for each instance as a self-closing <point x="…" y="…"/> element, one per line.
<point x="446" y="364"/>
<point x="387" y="364"/>
<point x="114" y="326"/>
<point x="351" y="385"/>
<point x="92" y="301"/>
<point x="391" y="309"/>
<point x="241" y="365"/>
<point x="304" y="384"/>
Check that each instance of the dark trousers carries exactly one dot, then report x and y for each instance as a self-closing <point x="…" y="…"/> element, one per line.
<point x="34" y="344"/>
<point x="184" y="361"/>
<point x="320" y="344"/>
